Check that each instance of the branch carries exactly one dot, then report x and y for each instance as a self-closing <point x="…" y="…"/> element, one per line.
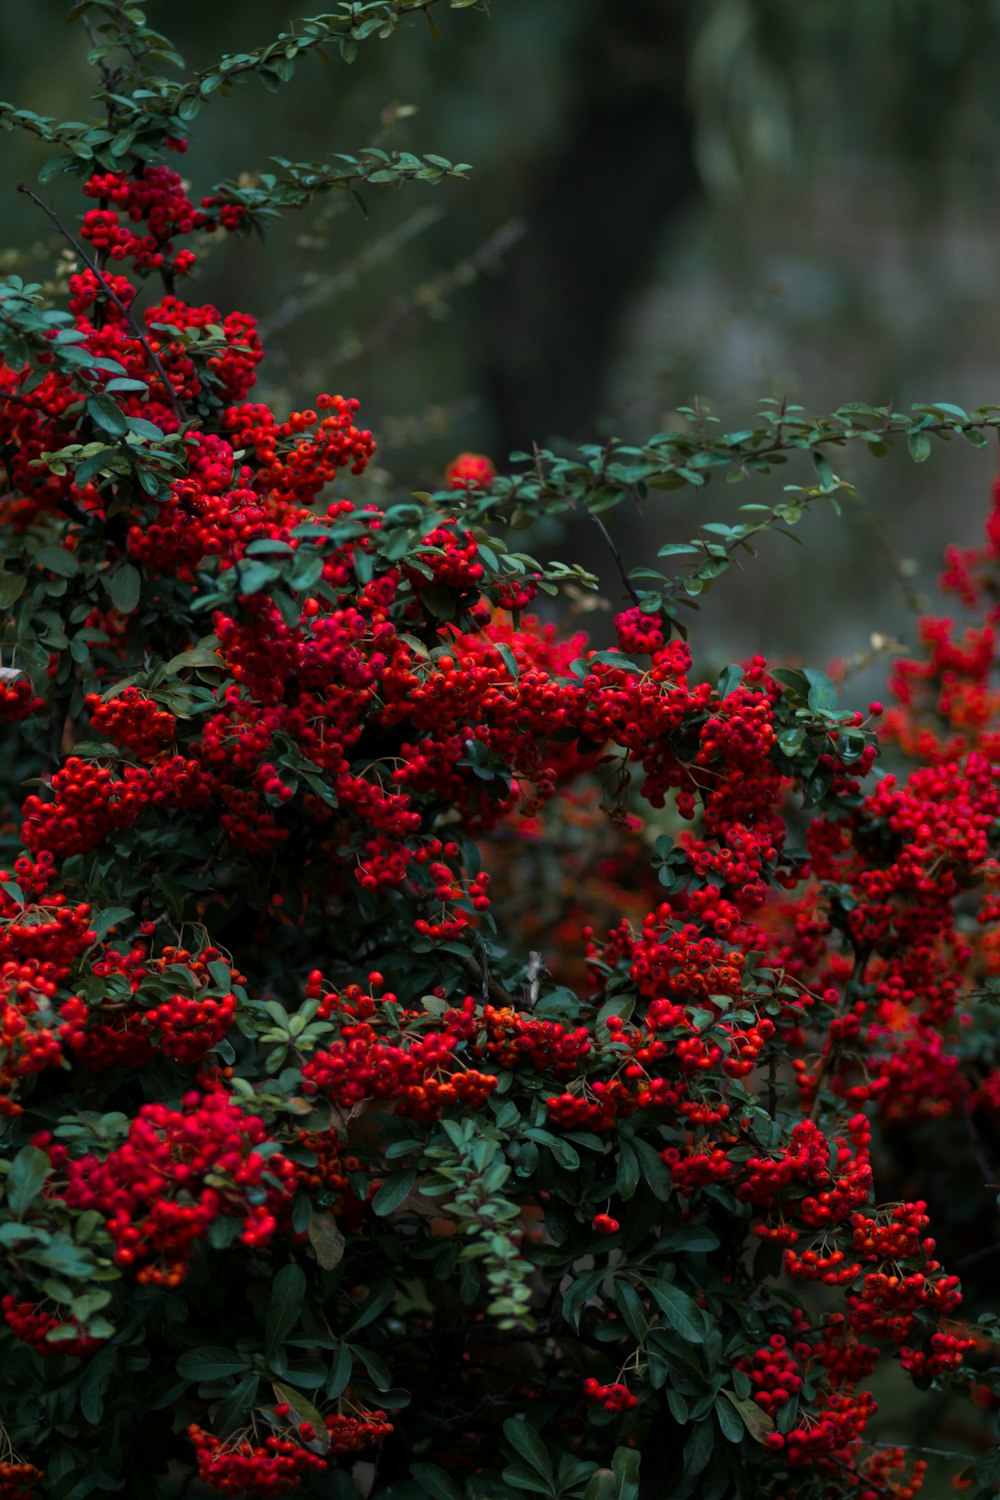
<point x="153" y="358"/>
<point x="619" y="560"/>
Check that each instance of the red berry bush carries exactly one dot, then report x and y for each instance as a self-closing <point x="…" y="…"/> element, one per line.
<point x="439" y="1057"/>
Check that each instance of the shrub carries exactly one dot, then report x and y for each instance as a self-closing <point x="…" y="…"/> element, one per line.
<point x="430" y="1065"/>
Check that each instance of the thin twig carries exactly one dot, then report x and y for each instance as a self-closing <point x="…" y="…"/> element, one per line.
<point x="976" y="1145"/>
<point x="619" y="560"/>
<point x="153" y="358"/>
<point x="495" y="990"/>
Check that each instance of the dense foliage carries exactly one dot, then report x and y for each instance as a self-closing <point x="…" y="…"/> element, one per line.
<point x="438" y="1058"/>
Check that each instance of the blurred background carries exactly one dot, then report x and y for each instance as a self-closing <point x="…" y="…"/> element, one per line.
<point x="726" y="199"/>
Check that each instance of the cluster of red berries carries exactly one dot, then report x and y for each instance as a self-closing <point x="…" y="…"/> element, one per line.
<point x="614" y="1398"/>
<point x="18" y="1481"/>
<point x="238" y="1466"/>
<point x="176" y="1172"/>
<point x="278" y="1465"/>
<point x="350" y="1432"/>
<point x="774" y="1374"/>
<point x="18" y="699"/>
<point x="365" y="1065"/>
<point x="132" y="720"/>
<point x="33" y="1324"/>
<point x="156" y="199"/>
<point x="473" y="470"/>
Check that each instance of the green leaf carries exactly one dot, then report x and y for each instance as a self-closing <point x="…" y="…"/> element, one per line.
<point x="521" y="1478"/>
<point x="124" y="587"/>
<point x="58" y="560"/>
<point x="110" y="917"/>
<point x="287" y="1295"/>
<point x="679" y="1310"/>
<point x="210" y="1362"/>
<point x="654" y="1170"/>
<point x="635" y="1315"/>
<point x="94" y="1384"/>
<point x="729" y="1418"/>
<point x="729" y="678"/>
<point x="602" y="1486"/>
<point x="625" y="1466"/>
<point x="822" y="693"/>
<point x="509" y="659"/>
<point x="302" y="1410"/>
<point x="919" y="444"/>
<point x="628" y="1170"/>
<point x="107" y="415"/>
<point x="233" y="1409"/>
<point x="824" y="471"/>
<point x="26" y="1178"/>
<point x="436" y="1483"/>
<point x="254" y="576"/>
<point x="379" y="1300"/>
<point x="12" y="586"/>
<point x="524" y="1439"/>
<point x="197" y="656"/>
<point x="698" y="1448"/>
<point x="756" y="1421"/>
<point x="340" y="1371"/>
<point x="396" y="1187"/>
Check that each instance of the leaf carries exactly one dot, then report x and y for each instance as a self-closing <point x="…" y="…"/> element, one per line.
<point x="824" y="471"/>
<point x="698" y="1448"/>
<point x="26" y="1179"/>
<point x="756" y="1421"/>
<point x="728" y="1418"/>
<point x="340" y="1371"/>
<point x="521" y="1478"/>
<point x="379" y="1300"/>
<point x="396" y="1187"/>
<point x="326" y="1239"/>
<point x="197" y="656"/>
<point x="509" y="659"/>
<point x="210" y="1362"/>
<point x="602" y="1486"/>
<point x="123" y="587"/>
<point x="625" y="1466"/>
<point x="110" y="917"/>
<point x="436" y="1483"/>
<point x="303" y="1411"/>
<point x="232" y="1410"/>
<point x="561" y="1150"/>
<point x="12" y="586"/>
<point x="729" y="678"/>
<point x="679" y="1310"/>
<point x="628" y="1170"/>
<point x="654" y="1170"/>
<point x="439" y="600"/>
<point x="822" y="693"/>
<point x="107" y="415"/>
<point x="524" y="1439"/>
<point x="287" y="1295"/>
<point x="632" y="1310"/>
<point x="254" y="576"/>
<point x="94" y="1384"/>
<point x="58" y="560"/>
<point x="919" y="444"/>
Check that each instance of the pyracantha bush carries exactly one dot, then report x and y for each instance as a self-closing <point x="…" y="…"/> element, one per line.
<point x="438" y="1057"/>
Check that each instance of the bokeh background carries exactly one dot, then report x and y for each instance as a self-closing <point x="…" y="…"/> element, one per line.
<point x="726" y="199"/>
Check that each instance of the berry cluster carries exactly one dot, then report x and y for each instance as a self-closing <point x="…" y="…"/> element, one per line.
<point x="177" y="1172"/>
<point x="614" y="1398"/>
